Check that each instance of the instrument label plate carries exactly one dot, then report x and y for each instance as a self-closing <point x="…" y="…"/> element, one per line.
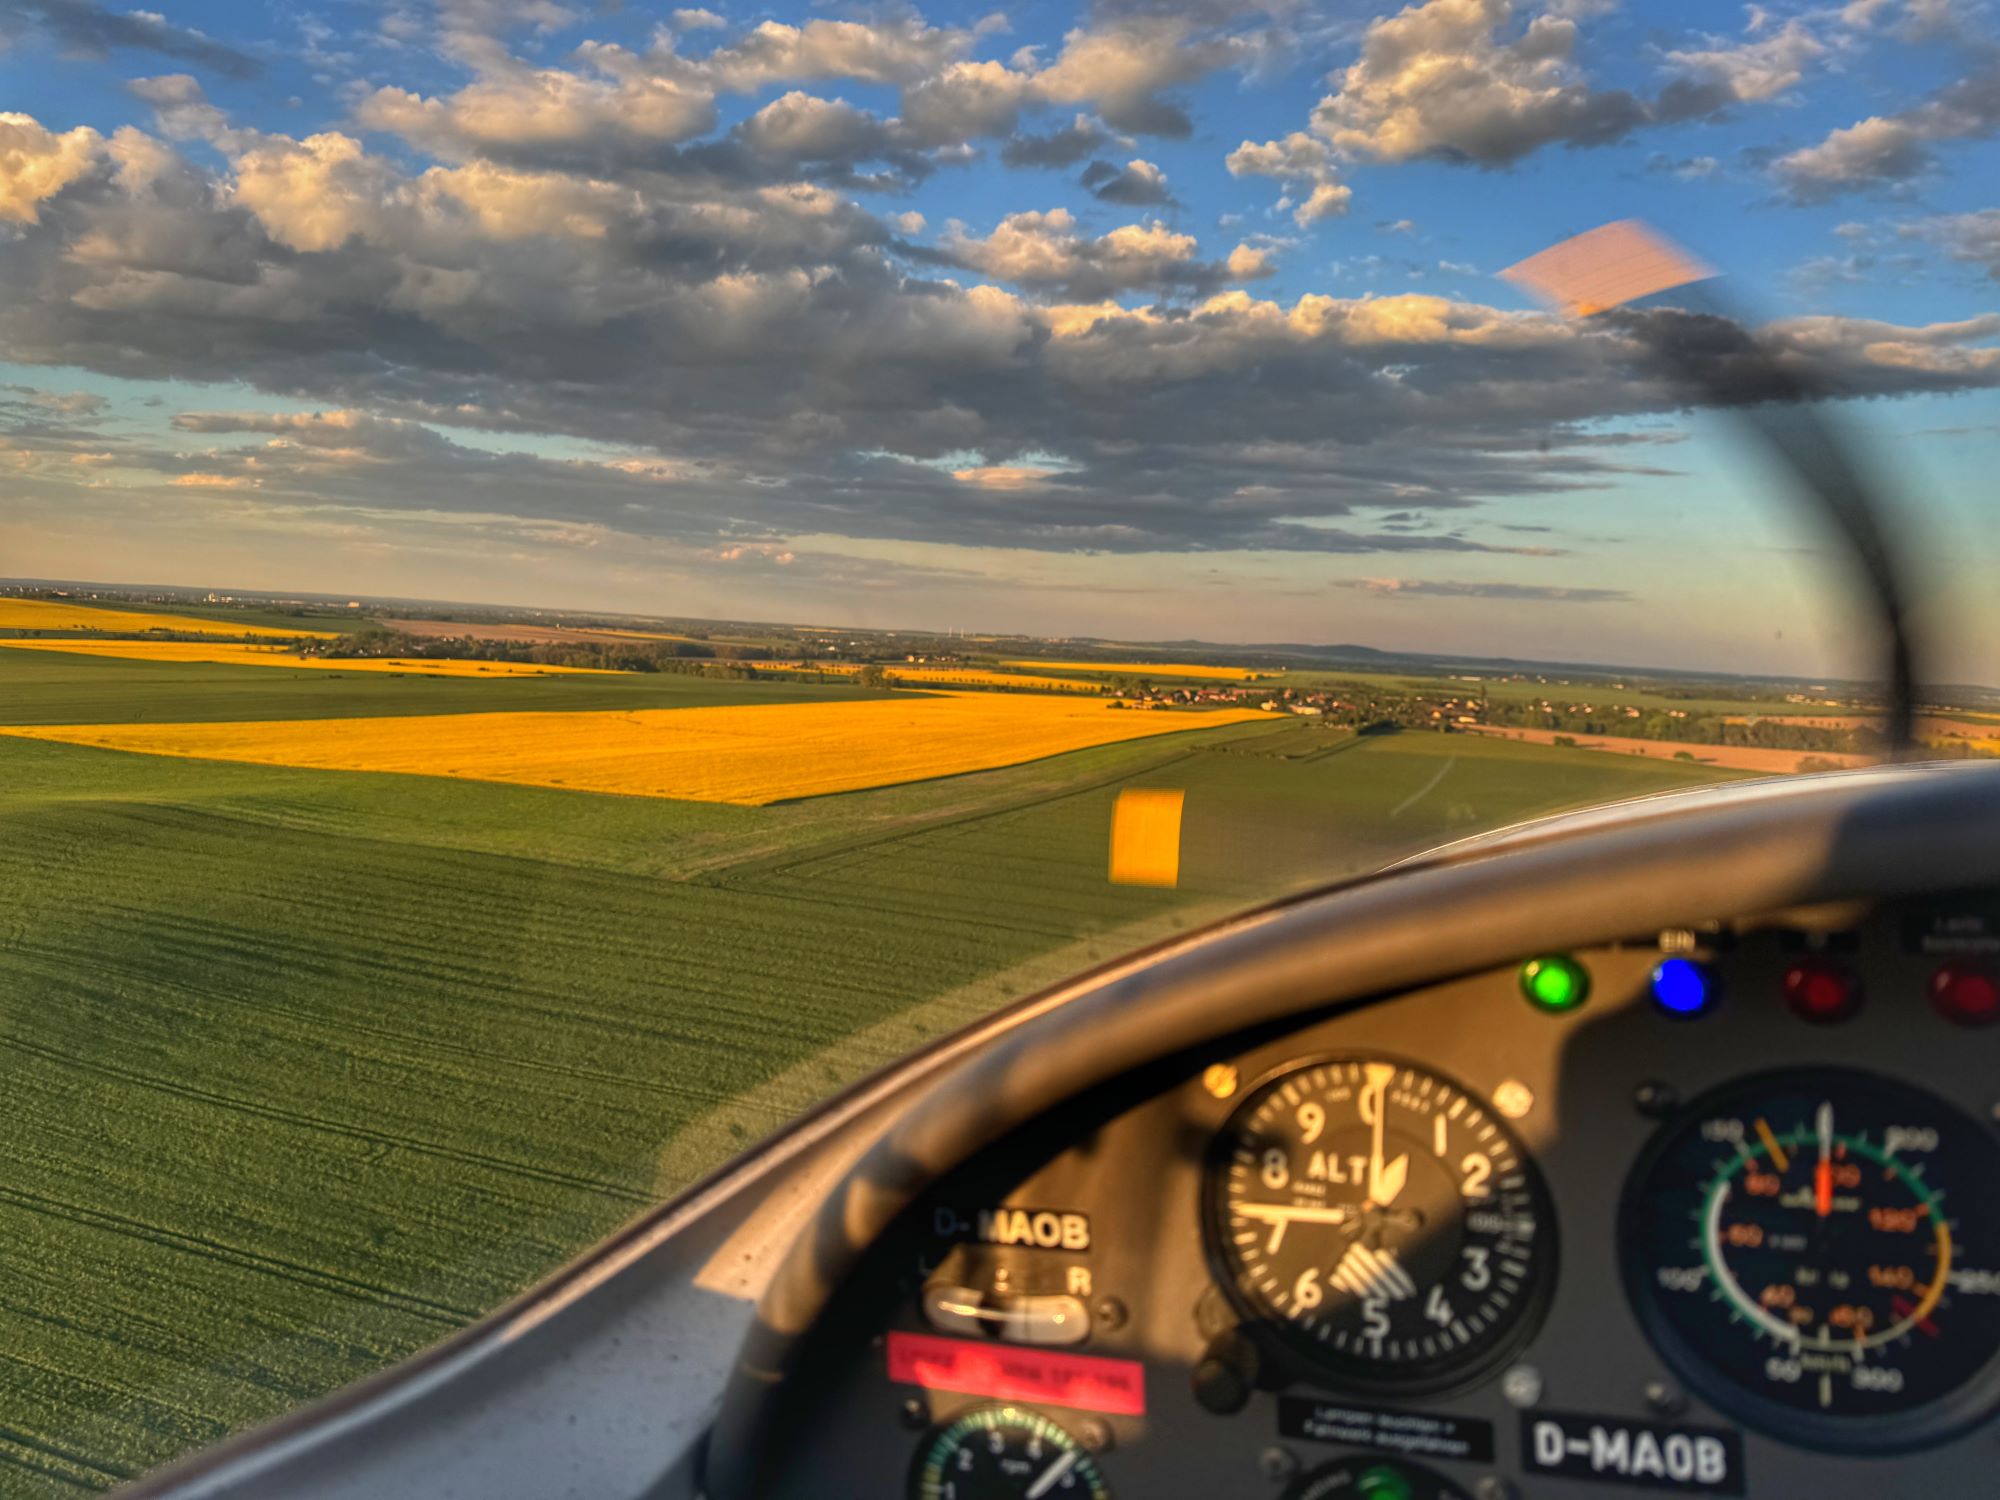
<point x="1648" y="1455"/>
<point x="1412" y="1434"/>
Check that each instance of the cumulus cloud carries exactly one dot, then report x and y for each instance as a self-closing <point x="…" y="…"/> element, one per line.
<point x="1745" y="72"/>
<point x="1137" y="182"/>
<point x="1972" y="237"/>
<point x="37" y="163"/>
<point x="1124" y="70"/>
<point x="1057" y="148"/>
<point x="758" y="360"/>
<point x="312" y="194"/>
<point x="82" y="28"/>
<point x="1048" y="254"/>
<point x="1438" y="79"/>
<point x="621" y="106"/>
<point x="547" y="112"/>
<point x="1466" y="81"/>
<point x="613" y="108"/>
<point x="1890" y="151"/>
<point x="1304" y="165"/>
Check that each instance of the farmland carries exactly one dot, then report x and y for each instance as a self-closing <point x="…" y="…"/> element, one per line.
<point x="309" y="1067"/>
<point x="237" y="654"/>
<point x="749" y="754"/>
<point x="48" y="614"/>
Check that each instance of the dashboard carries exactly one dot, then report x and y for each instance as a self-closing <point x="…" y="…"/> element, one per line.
<point x="1706" y="1210"/>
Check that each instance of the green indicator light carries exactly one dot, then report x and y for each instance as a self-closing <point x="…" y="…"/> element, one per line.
<point x="1384" y="1483"/>
<point x="1555" y="982"/>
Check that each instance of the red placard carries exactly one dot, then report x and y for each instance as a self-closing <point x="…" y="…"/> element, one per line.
<point x="1005" y="1372"/>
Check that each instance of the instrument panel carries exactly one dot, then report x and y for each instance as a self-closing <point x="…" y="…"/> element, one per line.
<point x="1705" y="1212"/>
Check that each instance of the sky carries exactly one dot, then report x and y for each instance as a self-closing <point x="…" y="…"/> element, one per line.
<point x="1141" y="319"/>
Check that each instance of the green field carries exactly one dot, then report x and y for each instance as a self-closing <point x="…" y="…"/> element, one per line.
<point x="308" y="1069"/>
<point x="1702" y="700"/>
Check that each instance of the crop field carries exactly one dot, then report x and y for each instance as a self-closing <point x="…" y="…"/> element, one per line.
<point x="235" y="654"/>
<point x="307" y="1068"/>
<point x="54" y="614"/>
<point x="748" y="755"/>
<point x="39" y="686"/>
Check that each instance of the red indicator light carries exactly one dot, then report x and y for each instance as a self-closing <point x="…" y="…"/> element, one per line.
<point x="1966" y="994"/>
<point x="1821" y="992"/>
<point x="999" y="1372"/>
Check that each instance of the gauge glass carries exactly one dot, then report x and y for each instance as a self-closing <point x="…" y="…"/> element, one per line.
<point x="1373" y="1479"/>
<point x="1815" y="1251"/>
<point x="1382" y="1222"/>
<point x="1005" y="1453"/>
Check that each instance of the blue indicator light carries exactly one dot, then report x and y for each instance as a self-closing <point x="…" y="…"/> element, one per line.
<point x="1682" y="987"/>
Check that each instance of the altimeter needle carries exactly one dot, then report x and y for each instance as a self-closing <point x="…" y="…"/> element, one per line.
<point x="1338" y="1213"/>
<point x="1384" y="1181"/>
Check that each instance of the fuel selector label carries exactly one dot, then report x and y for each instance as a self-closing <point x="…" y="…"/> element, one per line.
<point x="1647" y="1455"/>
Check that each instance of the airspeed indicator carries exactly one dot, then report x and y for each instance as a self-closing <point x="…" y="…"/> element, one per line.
<point x="1813" y="1249"/>
<point x="1379" y="1221"/>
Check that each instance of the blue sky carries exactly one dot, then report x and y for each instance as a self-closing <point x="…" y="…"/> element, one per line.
<point x="1137" y="319"/>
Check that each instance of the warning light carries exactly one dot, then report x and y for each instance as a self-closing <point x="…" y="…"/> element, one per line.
<point x="1555" y="981"/>
<point x="1821" y="992"/>
<point x="1967" y="994"/>
<point x="1683" y="988"/>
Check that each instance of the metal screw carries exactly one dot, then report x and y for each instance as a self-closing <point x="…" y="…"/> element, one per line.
<point x="1663" y="1398"/>
<point x="1656" y="1099"/>
<point x="1522" y="1386"/>
<point x="1277" y="1464"/>
<point x="1220" y="1079"/>
<point x="914" y="1415"/>
<point x="1514" y="1099"/>
<point x="1109" y="1313"/>
<point x="1493" y="1487"/>
<point x="1094" y="1435"/>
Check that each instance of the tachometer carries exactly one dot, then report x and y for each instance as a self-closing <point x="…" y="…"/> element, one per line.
<point x="1814" y="1251"/>
<point x="1381" y="1222"/>
<point x="1005" y="1453"/>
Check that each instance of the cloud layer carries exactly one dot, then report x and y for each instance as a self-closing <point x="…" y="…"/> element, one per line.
<point x="563" y="293"/>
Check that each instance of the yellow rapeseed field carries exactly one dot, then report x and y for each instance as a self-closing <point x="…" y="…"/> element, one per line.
<point x="749" y="755"/>
<point x="54" y="614"/>
<point x="235" y="654"/>
<point x="1142" y="669"/>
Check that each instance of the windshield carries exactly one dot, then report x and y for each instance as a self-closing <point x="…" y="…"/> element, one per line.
<point x="577" y="579"/>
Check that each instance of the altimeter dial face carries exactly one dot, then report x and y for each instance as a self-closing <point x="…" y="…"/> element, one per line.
<point x="1380" y="1221"/>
